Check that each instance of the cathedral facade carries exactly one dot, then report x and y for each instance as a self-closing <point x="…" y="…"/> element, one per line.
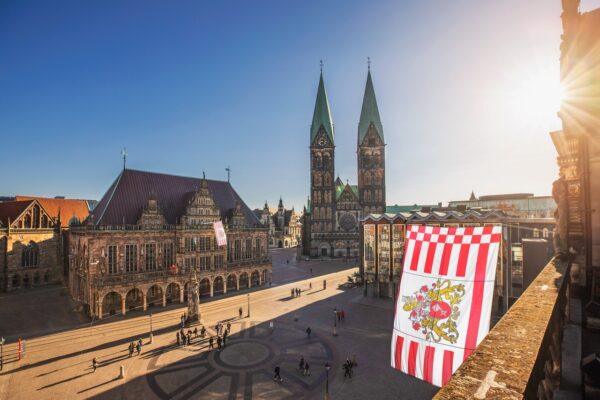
<point x="332" y="218"/>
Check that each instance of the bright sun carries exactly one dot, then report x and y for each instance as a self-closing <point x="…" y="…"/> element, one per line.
<point x="536" y="97"/>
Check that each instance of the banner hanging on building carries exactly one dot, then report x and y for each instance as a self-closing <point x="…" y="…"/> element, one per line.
<point x="445" y="299"/>
<point x="220" y="233"/>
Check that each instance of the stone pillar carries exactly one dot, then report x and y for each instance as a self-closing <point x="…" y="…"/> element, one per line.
<point x="145" y="301"/>
<point x="181" y="294"/>
<point x="249" y="281"/>
<point x="212" y="286"/>
<point x="99" y="315"/>
<point x="224" y="287"/>
<point x="164" y="293"/>
<point x="123" y="306"/>
<point x="237" y="283"/>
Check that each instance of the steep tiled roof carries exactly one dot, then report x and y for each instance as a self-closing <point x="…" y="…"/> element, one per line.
<point x="369" y="113"/>
<point x="12" y="209"/>
<point x="321" y="115"/>
<point x="128" y="195"/>
<point x="69" y="208"/>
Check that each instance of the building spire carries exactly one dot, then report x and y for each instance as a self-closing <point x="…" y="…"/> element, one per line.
<point x="124" y="155"/>
<point x="369" y="113"/>
<point x="322" y="114"/>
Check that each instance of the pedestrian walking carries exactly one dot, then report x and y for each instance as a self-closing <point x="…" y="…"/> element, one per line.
<point x="131" y="346"/>
<point x="306" y="369"/>
<point x="178" y="339"/>
<point x="94" y="364"/>
<point x="277" y="376"/>
<point x="271" y="328"/>
<point x="308" y="331"/>
<point x="311" y="271"/>
<point x="189" y="332"/>
<point x="324" y="284"/>
<point x="301" y="364"/>
<point x="196" y="332"/>
<point x="189" y="338"/>
<point x="211" y="343"/>
<point x="138" y="347"/>
<point x="203" y="332"/>
<point x="228" y="326"/>
<point x="219" y="342"/>
<point x="339" y="315"/>
<point x="240" y="312"/>
<point x="347" y="371"/>
<point x="343" y="314"/>
<point x="182" y="333"/>
<point x="310" y="285"/>
<point x="292" y="291"/>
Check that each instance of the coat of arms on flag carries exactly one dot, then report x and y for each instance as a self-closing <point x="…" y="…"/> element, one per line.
<point x="445" y="299"/>
<point x="220" y="233"/>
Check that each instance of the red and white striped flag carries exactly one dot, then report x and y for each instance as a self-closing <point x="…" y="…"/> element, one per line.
<point x="445" y="299"/>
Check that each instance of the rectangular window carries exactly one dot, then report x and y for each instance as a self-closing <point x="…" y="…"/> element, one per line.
<point x="257" y="248"/>
<point x="168" y="255"/>
<point x="190" y="262"/>
<point x="150" y="256"/>
<point x="131" y="257"/>
<point x="205" y="242"/>
<point x="204" y="263"/>
<point x="248" y="248"/>
<point x="237" y="249"/>
<point x="112" y="259"/>
<point x="219" y="261"/>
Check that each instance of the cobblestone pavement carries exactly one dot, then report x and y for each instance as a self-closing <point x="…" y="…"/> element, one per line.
<point x="59" y="365"/>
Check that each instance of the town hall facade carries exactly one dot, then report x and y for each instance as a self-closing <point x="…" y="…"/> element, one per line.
<point x="332" y="218"/>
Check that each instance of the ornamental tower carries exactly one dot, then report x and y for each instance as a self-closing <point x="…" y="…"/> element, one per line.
<point x="322" y="149"/>
<point x="371" y="154"/>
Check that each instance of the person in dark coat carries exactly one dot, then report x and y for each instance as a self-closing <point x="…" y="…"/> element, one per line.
<point x="277" y="376"/>
<point x="94" y="364"/>
<point x="131" y="347"/>
<point x="306" y="369"/>
<point x="219" y="342"/>
<point x="240" y="312"/>
<point x="210" y="343"/>
<point x="301" y="365"/>
<point x="308" y="331"/>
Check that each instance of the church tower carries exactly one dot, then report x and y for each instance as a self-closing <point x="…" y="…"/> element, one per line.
<point x="371" y="154"/>
<point x="322" y="174"/>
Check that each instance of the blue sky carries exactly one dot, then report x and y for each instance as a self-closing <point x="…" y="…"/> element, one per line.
<point x="189" y="86"/>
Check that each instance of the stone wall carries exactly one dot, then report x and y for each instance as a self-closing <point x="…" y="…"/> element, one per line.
<point x="520" y="357"/>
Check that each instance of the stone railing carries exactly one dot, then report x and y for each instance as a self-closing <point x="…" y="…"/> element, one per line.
<point x="134" y="277"/>
<point x="247" y="263"/>
<point x="521" y="356"/>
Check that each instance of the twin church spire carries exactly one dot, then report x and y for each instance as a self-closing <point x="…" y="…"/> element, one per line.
<point x="369" y="114"/>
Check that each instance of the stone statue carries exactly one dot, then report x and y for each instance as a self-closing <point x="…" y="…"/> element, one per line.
<point x="559" y="193"/>
<point x="193" y="313"/>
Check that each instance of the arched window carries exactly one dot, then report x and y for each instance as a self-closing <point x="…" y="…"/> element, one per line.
<point x="44" y="221"/>
<point x="545" y="233"/>
<point x="27" y="221"/>
<point x="36" y="216"/>
<point x="29" y="255"/>
<point x="536" y="233"/>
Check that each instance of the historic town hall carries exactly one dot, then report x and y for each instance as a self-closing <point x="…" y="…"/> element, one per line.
<point x="335" y="208"/>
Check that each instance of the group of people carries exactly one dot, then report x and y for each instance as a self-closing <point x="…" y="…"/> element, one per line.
<point x="133" y="346"/>
<point x="348" y="367"/>
<point x="339" y="314"/>
<point x="296" y="292"/>
<point x="304" y="367"/>
<point x="222" y="331"/>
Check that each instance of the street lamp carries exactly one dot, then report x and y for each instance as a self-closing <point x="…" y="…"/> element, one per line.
<point x="248" y="305"/>
<point x="1" y="354"/>
<point x="334" y="322"/>
<point x="327" y="368"/>
<point x="150" y="328"/>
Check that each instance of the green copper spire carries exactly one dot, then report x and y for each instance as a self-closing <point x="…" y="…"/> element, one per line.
<point x="322" y="115"/>
<point x="369" y="113"/>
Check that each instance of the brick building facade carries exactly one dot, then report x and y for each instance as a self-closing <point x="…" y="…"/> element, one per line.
<point x="150" y="231"/>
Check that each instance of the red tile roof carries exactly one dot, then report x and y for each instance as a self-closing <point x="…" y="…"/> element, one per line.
<point x="12" y="209"/>
<point x="128" y="195"/>
<point x="69" y="208"/>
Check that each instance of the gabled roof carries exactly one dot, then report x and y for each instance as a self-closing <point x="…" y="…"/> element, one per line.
<point x="369" y="113"/>
<point x="128" y="195"/>
<point x="339" y="189"/>
<point x="436" y="216"/>
<point x="68" y="208"/>
<point x="321" y="115"/>
<point x="12" y="210"/>
<point x="406" y="208"/>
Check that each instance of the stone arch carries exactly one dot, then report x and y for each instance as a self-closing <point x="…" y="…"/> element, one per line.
<point x="264" y="275"/>
<point x="111" y="303"/>
<point x="134" y="300"/>
<point x="16" y="281"/>
<point x="173" y="292"/>
<point x="255" y="278"/>
<point x="231" y="282"/>
<point x="218" y="285"/>
<point x="154" y="295"/>
<point x="204" y="287"/>
<point x="280" y="244"/>
<point x="243" y="280"/>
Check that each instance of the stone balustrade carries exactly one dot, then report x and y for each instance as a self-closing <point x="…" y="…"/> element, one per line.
<point x="521" y="356"/>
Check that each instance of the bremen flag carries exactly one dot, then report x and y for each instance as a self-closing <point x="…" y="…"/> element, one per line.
<point x="220" y="233"/>
<point x="445" y="299"/>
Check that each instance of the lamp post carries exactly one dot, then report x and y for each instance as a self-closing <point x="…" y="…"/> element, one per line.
<point x="1" y="354"/>
<point x="334" y="322"/>
<point x="327" y="368"/>
<point x="150" y="328"/>
<point x="248" y="305"/>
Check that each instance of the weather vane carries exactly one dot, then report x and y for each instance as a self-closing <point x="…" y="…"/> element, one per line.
<point x="321" y="64"/>
<point x="369" y="63"/>
<point x="124" y="155"/>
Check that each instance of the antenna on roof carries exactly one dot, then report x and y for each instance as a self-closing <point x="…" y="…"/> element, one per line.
<point x="228" y="169"/>
<point x="124" y="155"/>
